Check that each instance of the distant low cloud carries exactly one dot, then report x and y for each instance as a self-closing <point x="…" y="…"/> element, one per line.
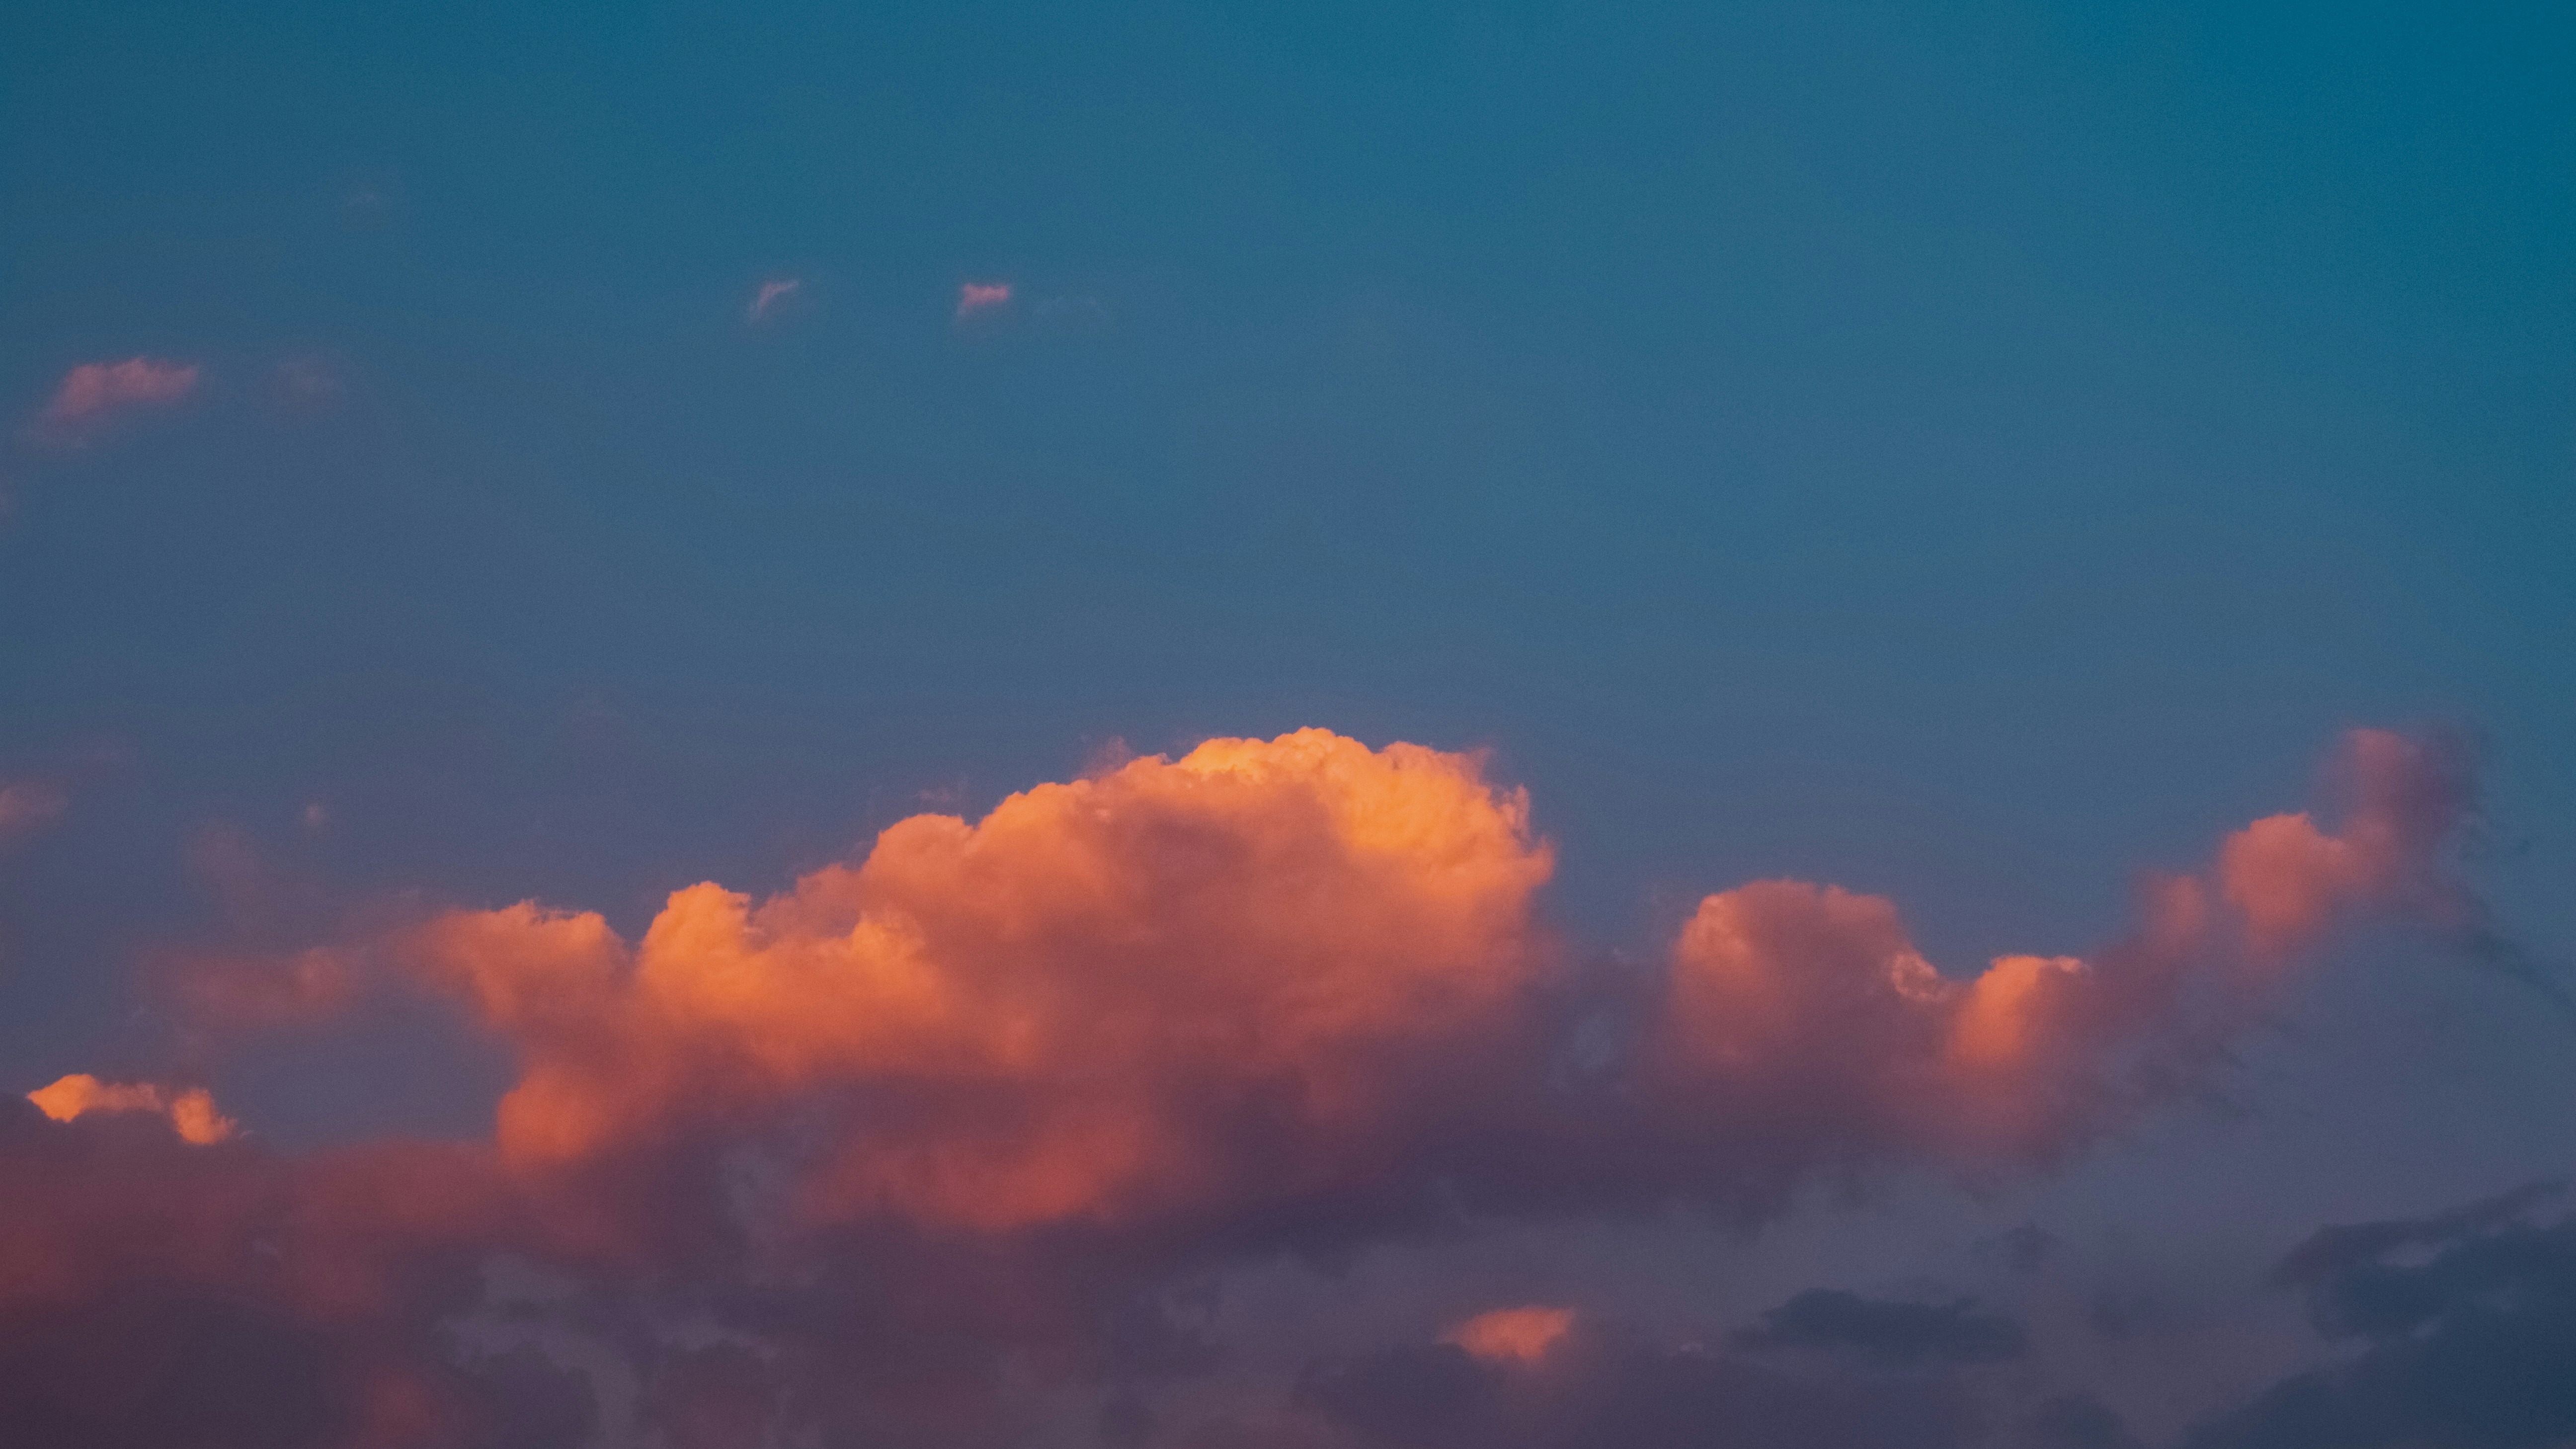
<point x="27" y="806"/>
<point x="94" y="393"/>
<point x="774" y="295"/>
<point x="976" y="299"/>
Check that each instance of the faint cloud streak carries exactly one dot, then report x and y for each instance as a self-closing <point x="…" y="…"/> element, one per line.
<point x="774" y="295"/>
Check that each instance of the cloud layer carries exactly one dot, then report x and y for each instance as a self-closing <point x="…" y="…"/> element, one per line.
<point x="920" y="1141"/>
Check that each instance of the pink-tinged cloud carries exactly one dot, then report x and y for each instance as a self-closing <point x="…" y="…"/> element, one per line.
<point x="191" y="1113"/>
<point x="93" y="393"/>
<point x="773" y="294"/>
<point x="978" y="298"/>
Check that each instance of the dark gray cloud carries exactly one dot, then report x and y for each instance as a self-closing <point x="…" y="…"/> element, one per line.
<point x="2464" y="1326"/>
<point x="2075" y="1421"/>
<point x="148" y="1365"/>
<point x="2332" y="1252"/>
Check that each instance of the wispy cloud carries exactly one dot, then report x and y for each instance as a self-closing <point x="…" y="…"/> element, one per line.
<point x="308" y="382"/>
<point x="773" y="296"/>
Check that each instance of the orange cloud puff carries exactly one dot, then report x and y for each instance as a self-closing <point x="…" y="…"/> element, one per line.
<point x="191" y="1112"/>
<point x="1512" y="1335"/>
<point x="1236" y="976"/>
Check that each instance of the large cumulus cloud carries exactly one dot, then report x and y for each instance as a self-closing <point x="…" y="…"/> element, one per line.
<point x="1181" y="987"/>
<point x="909" y="1152"/>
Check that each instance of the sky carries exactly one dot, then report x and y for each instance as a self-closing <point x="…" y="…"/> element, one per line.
<point x="1319" y="727"/>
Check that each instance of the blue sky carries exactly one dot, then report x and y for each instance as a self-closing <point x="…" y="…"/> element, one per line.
<point x="1968" y="453"/>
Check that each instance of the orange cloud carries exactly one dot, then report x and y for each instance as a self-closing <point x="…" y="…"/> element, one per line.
<point x="975" y="298"/>
<point x="191" y="1113"/>
<point x="94" y="391"/>
<point x="1512" y="1335"/>
<point x="1177" y="985"/>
